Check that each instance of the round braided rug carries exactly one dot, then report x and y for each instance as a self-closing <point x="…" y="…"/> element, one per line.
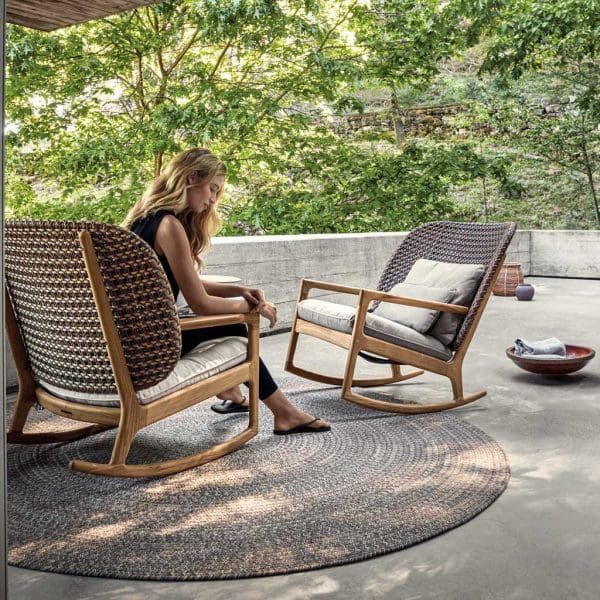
<point x="376" y="483"/>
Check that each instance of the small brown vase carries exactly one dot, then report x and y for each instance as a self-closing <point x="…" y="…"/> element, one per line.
<point x="509" y="278"/>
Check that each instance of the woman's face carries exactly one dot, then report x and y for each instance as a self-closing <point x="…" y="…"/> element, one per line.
<point x="203" y="194"/>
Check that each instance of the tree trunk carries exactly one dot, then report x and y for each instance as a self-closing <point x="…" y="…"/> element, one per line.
<point x="590" y="176"/>
<point x="485" y="199"/>
<point x="158" y="159"/>
<point x="396" y="119"/>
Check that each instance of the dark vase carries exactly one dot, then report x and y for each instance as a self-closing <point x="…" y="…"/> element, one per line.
<point x="524" y="291"/>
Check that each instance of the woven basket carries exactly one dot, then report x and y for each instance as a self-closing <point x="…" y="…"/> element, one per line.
<point x="509" y="278"/>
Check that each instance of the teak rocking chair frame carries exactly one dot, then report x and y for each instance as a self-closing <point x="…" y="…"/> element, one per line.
<point x="480" y="243"/>
<point x="131" y="415"/>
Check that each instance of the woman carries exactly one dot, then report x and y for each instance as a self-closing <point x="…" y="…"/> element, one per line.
<point x="176" y="215"/>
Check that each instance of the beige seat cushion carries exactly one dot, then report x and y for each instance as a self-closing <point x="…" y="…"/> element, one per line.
<point x="205" y="360"/>
<point x="341" y="318"/>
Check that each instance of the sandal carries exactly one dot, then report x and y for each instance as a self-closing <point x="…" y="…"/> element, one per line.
<point x="303" y="428"/>
<point x="228" y="407"/>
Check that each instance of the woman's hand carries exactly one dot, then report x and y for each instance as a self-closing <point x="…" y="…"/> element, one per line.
<point x="269" y="311"/>
<point x="254" y="297"/>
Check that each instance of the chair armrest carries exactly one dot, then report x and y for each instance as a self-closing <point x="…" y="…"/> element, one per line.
<point x="309" y="284"/>
<point x="199" y="322"/>
<point x="369" y="295"/>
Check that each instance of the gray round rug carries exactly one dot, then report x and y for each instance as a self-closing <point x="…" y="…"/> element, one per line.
<point x="376" y="483"/>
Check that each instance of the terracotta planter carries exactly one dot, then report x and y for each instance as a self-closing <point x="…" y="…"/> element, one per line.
<point x="508" y="280"/>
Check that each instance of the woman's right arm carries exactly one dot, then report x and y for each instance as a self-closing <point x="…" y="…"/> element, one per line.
<point x="172" y="241"/>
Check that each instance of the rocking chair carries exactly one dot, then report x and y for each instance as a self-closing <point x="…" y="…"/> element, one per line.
<point x="95" y="336"/>
<point x="427" y="305"/>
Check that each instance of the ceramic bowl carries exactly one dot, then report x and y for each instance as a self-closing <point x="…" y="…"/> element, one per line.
<point x="576" y="358"/>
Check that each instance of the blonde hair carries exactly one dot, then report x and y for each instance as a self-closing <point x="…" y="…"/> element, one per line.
<point x="169" y="191"/>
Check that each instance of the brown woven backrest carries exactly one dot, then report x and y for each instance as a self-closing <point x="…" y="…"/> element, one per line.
<point x="446" y="241"/>
<point x="53" y="302"/>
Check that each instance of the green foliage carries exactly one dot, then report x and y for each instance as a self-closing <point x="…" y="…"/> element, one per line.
<point x="107" y="101"/>
<point x="108" y="205"/>
<point x="335" y="188"/>
<point x="95" y="111"/>
<point x="404" y="41"/>
<point x="560" y="40"/>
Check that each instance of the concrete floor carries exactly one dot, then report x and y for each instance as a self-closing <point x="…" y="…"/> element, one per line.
<point x="539" y="540"/>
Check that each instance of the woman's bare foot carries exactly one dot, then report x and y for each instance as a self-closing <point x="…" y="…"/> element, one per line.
<point x="298" y="419"/>
<point x="309" y="425"/>
<point x="287" y="417"/>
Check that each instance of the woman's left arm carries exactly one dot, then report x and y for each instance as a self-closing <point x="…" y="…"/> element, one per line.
<point x="228" y="290"/>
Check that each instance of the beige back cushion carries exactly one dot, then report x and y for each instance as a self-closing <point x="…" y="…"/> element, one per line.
<point x="463" y="278"/>
<point x="419" y="319"/>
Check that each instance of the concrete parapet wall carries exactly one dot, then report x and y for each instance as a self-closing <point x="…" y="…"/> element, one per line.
<point x="277" y="264"/>
<point x="519" y="251"/>
<point x="565" y="254"/>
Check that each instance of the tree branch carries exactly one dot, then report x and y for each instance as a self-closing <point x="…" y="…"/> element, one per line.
<point x="329" y="33"/>
<point x="182" y="52"/>
<point x="219" y="60"/>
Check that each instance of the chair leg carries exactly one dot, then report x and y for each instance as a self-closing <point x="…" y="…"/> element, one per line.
<point x="398" y="376"/>
<point x="26" y="400"/>
<point x="122" y="445"/>
<point x="292" y="345"/>
<point x="459" y="397"/>
<point x="125" y="434"/>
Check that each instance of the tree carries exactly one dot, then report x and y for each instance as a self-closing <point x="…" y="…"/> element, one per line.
<point x="94" y="111"/>
<point x="559" y="40"/>
<point x="103" y="103"/>
<point x="362" y="190"/>
<point x="404" y="42"/>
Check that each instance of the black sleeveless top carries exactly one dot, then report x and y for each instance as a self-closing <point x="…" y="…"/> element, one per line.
<point x="146" y="228"/>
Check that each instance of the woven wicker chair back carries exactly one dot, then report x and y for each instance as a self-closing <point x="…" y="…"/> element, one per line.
<point x="53" y="302"/>
<point x="476" y="243"/>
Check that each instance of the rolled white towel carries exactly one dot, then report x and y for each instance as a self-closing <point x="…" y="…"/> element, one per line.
<point x="551" y="347"/>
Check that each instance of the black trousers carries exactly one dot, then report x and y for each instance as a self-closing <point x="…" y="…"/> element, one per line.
<point x="192" y="337"/>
